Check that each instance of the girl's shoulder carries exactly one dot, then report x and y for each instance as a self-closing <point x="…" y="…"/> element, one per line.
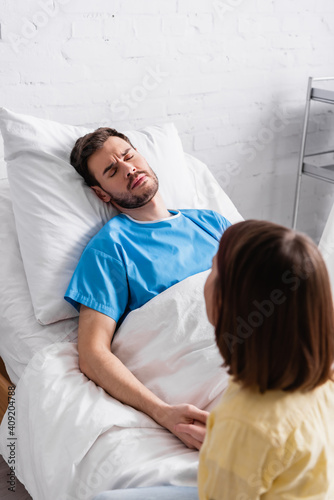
<point x="277" y="414"/>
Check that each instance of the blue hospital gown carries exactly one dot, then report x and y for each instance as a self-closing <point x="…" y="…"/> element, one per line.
<point x="128" y="262"/>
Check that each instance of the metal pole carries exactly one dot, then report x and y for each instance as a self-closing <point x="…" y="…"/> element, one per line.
<point x="302" y="152"/>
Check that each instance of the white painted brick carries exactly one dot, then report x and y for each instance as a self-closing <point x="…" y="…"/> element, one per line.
<point x="145" y="26"/>
<point x="115" y="26"/>
<point x="229" y="136"/>
<point x="174" y="25"/>
<point x="292" y="129"/>
<point x="326" y="121"/>
<point x="66" y="94"/>
<point x="84" y="51"/>
<point x="200" y="46"/>
<point x="179" y="65"/>
<point x="159" y="7"/>
<point x="204" y="141"/>
<point x="87" y="6"/>
<point x="181" y="106"/>
<point x="214" y="122"/>
<point x="194" y="6"/>
<point x="256" y="188"/>
<point x="268" y="24"/>
<point x="291" y="42"/>
<point x="246" y="118"/>
<point x="74" y="115"/>
<point x="189" y="86"/>
<point x="265" y="6"/>
<point x="290" y="23"/>
<point x="215" y="65"/>
<point x="31" y="75"/>
<point x="220" y="156"/>
<point x="319" y="141"/>
<point x="37" y="24"/>
<point x="324" y="6"/>
<point x="9" y="77"/>
<point x="228" y="99"/>
<point x="241" y="47"/>
<point x="227" y="9"/>
<point x="11" y="10"/>
<point x="64" y="72"/>
<point x="105" y="74"/>
<point x="318" y="60"/>
<point x="324" y="192"/>
<point x="87" y="28"/>
<point x="149" y="109"/>
<point x="284" y="6"/>
<point x="202" y="22"/>
<point x="304" y="23"/>
<point x="141" y="48"/>
<point x="224" y="26"/>
<point x="328" y="22"/>
<point x="247" y="26"/>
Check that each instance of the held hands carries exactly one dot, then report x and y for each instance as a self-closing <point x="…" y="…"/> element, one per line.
<point x="187" y="423"/>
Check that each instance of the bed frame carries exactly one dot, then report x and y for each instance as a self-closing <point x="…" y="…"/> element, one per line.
<point x="4" y="383"/>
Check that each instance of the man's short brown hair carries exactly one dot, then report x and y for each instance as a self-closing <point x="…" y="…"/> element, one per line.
<point x="275" y="327"/>
<point x="87" y="145"/>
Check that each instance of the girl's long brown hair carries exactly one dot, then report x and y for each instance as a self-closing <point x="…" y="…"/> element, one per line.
<point x="275" y="326"/>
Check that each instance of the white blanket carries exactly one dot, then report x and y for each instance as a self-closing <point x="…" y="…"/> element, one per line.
<point x="74" y="440"/>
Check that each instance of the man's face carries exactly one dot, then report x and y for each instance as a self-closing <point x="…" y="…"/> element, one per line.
<point x="124" y="175"/>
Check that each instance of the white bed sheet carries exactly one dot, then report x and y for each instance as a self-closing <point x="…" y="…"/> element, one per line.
<point x="74" y="439"/>
<point x="21" y="336"/>
<point x="71" y="429"/>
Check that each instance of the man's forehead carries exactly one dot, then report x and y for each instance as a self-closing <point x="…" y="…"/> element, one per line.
<point x="115" y="145"/>
<point x="112" y="146"/>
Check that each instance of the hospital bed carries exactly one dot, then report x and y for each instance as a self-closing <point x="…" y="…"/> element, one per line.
<point x="69" y="439"/>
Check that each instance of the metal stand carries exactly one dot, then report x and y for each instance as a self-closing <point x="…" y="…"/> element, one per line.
<point x="325" y="172"/>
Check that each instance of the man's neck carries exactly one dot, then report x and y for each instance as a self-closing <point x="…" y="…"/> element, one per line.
<point x="153" y="210"/>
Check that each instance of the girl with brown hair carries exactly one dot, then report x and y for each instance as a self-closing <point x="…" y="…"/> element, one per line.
<point x="272" y="434"/>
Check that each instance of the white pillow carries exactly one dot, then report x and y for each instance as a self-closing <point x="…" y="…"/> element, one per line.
<point x="207" y="193"/>
<point x="21" y="337"/>
<point x="56" y="214"/>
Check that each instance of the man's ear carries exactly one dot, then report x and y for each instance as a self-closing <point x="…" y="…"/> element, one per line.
<point x="101" y="194"/>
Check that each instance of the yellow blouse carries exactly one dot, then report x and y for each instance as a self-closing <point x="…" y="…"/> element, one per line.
<point x="270" y="446"/>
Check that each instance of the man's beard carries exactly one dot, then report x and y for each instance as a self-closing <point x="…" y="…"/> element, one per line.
<point x="131" y="200"/>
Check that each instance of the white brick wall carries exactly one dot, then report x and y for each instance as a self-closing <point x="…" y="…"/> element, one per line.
<point x="231" y="74"/>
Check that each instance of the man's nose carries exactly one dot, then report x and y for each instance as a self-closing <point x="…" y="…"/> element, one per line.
<point x="127" y="168"/>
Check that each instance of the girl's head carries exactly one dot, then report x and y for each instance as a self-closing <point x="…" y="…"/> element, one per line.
<point x="269" y="298"/>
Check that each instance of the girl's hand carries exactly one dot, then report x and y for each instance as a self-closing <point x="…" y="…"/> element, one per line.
<point x="186" y="422"/>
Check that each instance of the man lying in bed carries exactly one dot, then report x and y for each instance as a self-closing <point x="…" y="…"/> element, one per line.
<point x="135" y="256"/>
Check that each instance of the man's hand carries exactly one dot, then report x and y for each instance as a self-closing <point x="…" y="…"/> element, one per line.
<point x="186" y="422"/>
<point x="98" y="363"/>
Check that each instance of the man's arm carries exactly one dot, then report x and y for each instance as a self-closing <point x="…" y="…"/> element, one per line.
<point x="98" y="363"/>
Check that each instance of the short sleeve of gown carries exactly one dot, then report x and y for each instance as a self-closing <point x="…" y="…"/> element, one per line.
<point x="99" y="282"/>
